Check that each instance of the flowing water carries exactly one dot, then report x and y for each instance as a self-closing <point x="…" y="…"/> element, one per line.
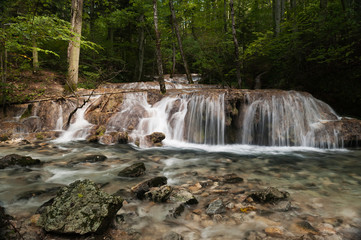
<point x="324" y="184"/>
<point x="280" y="141"/>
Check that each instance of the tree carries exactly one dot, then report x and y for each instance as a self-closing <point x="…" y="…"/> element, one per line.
<point x="74" y="45"/>
<point x="236" y="47"/>
<point x="180" y="45"/>
<point x="158" y="48"/>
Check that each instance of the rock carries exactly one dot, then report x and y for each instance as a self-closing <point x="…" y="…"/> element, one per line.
<point x="282" y="206"/>
<point x="172" y="236"/>
<point x="216" y="207"/>
<point x="159" y="194"/>
<point x="183" y="196"/>
<point x="177" y="211"/>
<point x="155" y="139"/>
<point x="306" y="226"/>
<point x="141" y="188"/>
<point x="6" y="230"/>
<point x="80" y="208"/>
<point x="269" y="195"/>
<point x="89" y="159"/>
<point x="273" y="232"/>
<point x="17" y="160"/>
<point x="123" y="137"/>
<point x="134" y="170"/>
<point x="228" y="178"/>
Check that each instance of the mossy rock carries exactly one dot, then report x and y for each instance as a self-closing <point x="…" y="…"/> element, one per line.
<point x="17" y="160"/>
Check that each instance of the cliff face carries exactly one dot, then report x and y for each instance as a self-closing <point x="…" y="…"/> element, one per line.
<point x="197" y="115"/>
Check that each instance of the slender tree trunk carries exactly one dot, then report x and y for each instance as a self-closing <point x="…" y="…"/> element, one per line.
<point x="175" y="26"/>
<point x="236" y="47"/>
<point x="173" y="60"/>
<point x="4" y="60"/>
<point x="293" y="4"/>
<point x="74" y="46"/>
<point x="225" y="15"/>
<point x="35" y="58"/>
<point x="323" y="4"/>
<point x="140" y="50"/>
<point x="277" y="16"/>
<point x="111" y="40"/>
<point x="158" y="49"/>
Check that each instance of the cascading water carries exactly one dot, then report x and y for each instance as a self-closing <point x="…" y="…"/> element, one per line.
<point x="78" y="130"/>
<point x="184" y="117"/>
<point x="287" y="119"/>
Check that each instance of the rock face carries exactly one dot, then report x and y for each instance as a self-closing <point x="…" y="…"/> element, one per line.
<point x="80" y="208"/>
<point x="269" y="195"/>
<point x="135" y="170"/>
<point x="17" y="160"/>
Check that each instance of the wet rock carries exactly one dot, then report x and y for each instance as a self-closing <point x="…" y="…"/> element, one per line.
<point x="141" y="188"/>
<point x="159" y="194"/>
<point x="17" y="160"/>
<point x="282" y="206"/>
<point x="216" y="207"/>
<point x="306" y="226"/>
<point x="183" y="196"/>
<point x="135" y="170"/>
<point x="6" y="230"/>
<point x="155" y="139"/>
<point x="80" y="208"/>
<point x="273" y="232"/>
<point x="172" y="236"/>
<point x="89" y="159"/>
<point x="36" y="193"/>
<point x="269" y="195"/>
<point x="122" y="137"/>
<point x="43" y="207"/>
<point x="253" y="235"/>
<point x="228" y="178"/>
<point x="177" y="211"/>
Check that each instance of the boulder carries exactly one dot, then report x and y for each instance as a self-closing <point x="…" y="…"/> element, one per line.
<point x="269" y="195"/>
<point x="17" y="160"/>
<point x="80" y="208"/>
<point x="228" y="178"/>
<point x="134" y="170"/>
<point x="216" y="207"/>
<point x="155" y="139"/>
<point x="122" y="137"/>
<point x="141" y="188"/>
<point x="89" y="159"/>
<point x="159" y="194"/>
<point x="172" y="236"/>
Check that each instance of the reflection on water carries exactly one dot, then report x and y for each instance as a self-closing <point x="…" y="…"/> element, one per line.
<point x="322" y="183"/>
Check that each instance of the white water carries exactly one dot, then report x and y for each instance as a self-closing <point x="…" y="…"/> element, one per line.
<point x="78" y="130"/>
<point x="59" y="122"/>
<point x="288" y="119"/>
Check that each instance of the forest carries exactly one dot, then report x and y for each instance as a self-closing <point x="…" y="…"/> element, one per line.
<point x="304" y="45"/>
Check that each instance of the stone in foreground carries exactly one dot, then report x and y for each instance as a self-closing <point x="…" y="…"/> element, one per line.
<point x="141" y="188"/>
<point x="80" y="208"/>
<point x="134" y="170"/>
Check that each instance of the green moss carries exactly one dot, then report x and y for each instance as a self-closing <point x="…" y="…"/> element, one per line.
<point x="39" y="136"/>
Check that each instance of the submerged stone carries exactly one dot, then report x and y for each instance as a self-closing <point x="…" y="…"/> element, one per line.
<point x="269" y="195"/>
<point x="183" y="196"/>
<point x="216" y="207"/>
<point x="134" y="170"/>
<point x="155" y="139"/>
<point x="172" y="236"/>
<point x="17" y="160"/>
<point x="141" y="188"/>
<point x="80" y="208"/>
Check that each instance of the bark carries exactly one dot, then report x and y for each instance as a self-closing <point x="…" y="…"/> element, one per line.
<point x="236" y="47"/>
<point x="173" y="60"/>
<point x="141" y="37"/>
<point x="277" y="16"/>
<point x="35" y="58"/>
<point x="293" y="4"/>
<point x="176" y="29"/>
<point x="74" y="45"/>
<point x="158" y="49"/>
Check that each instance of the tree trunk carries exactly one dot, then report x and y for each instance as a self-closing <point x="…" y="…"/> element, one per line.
<point x="173" y="60"/>
<point x="293" y="4"/>
<point x="35" y="58"/>
<point x="158" y="49"/>
<point x="74" y="45"/>
<point x="236" y="47"/>
<point x="3" y="61"/>
<point x="323" y="4"/>
<point x="175" y="25"/>
<point x="277" y="16"/>
<point x="139" y="67"/>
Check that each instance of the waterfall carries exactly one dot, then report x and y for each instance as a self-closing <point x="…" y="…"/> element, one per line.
<point x="184" y="117"/>
<point x="59" y="122"/>
<point x="78" y="130"/>
<point x="287" y="119"/>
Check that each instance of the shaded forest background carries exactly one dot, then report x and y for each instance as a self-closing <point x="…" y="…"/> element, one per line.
<point x="306" y="45"/>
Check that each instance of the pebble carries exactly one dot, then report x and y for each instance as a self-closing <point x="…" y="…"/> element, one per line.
<point x="273" y="232"/>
